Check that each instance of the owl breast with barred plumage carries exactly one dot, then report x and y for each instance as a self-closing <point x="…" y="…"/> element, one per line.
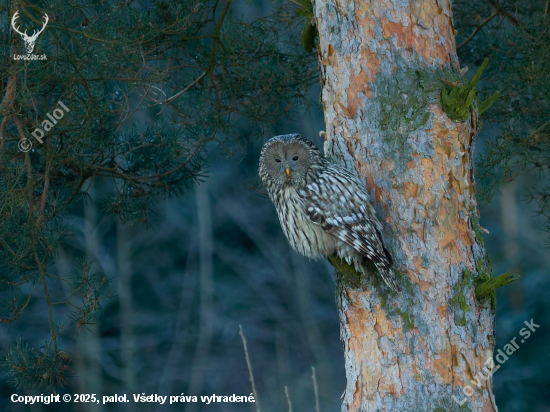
<point x="306" y="237"/>
<point x="323" y="208"/>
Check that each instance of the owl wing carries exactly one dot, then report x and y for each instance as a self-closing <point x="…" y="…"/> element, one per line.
<point x="338" y="202"/>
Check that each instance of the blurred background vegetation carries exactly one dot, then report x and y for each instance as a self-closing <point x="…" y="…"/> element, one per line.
<point x="142" y="214"/>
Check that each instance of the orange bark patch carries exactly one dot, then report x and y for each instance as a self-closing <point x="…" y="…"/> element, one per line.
<point x="388" y="165"/>
<point x="387" y="385"/>
<point x="363" y="343"/>
<point x="441" y="52"/>
<point x="410" y="190"/>
<point x="329" y="58"/>
<point x="426" y="40"/>
<point x="372" y="61"/>
<point x="360" y="314"/>
<point x="417" y="375"/>
<point x="443" y="149"/>
<point x="370" y="182"/>
<point x="427" y="163"/>
<point x="452" y="229"/>
<point x="424" y="286"/>
<point x="442" y="367"/>
<point x="365" y="18"/>
<point x="378" y="330"/>
<point x="378" y="193"/>
<point x="428" y="175"/>
<point x="384" y="326"/>
<point x="343" y="108"/>
<point x="351" y="151"/>
<point x="359" y="82"/>
<point x="447" y="239"/>
<point x="455" y="355"/>
<point x="405" y="35"/>
<point x="454" y="184"/>
<point x="448" y="226"/>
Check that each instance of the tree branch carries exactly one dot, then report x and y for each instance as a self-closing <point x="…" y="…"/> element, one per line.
<point x="500" y="10"/>
<point x="49" y="156"/>
<point x="178" y="94"/>
<point x="6" y="102"/>
<point x="249" y="368"/>
<point x="477" y="29"/>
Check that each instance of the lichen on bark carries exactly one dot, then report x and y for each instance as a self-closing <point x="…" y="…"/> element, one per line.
<point x="459" y="299"/>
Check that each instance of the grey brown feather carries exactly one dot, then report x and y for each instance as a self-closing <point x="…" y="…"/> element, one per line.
<point x="323" y="208"/>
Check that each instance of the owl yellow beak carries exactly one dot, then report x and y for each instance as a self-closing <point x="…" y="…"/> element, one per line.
<point x="288" y="171"/>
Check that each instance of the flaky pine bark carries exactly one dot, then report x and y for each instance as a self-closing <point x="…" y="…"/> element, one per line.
<point x="381" y="63"/>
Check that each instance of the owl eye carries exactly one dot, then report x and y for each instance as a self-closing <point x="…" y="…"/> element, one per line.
<point x="278" y="160"/>
<point x="295" y="158"/>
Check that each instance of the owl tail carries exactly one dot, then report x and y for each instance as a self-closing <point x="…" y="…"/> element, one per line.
<point x="384" y="268"/>
<point x="389" y="277"/>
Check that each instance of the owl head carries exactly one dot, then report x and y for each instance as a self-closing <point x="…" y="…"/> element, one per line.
<point x="288" y="159"/>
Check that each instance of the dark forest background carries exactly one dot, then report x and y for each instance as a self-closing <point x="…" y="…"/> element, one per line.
<point x="188" y="266"/>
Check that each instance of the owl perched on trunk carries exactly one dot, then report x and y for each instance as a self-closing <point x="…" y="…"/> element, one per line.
<point x="323" y="208"/>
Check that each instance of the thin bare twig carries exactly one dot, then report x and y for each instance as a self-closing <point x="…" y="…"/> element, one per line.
<point x="9" y="96"/>
<point x="288" y="399"/>
<point x="316" y="389"/>
<point x="541" y="127"/>
<point x="178" y="94"/>
<point x="215" y="39"/>
<point x="298" y="4"/>
<point x="6" y="103"/>
<point x="40" y="265"/>
<point x="504" y="13"/>
<point x="249" y="368"/>
<point x="49" y="155"/>
<point x="477" y="29"/>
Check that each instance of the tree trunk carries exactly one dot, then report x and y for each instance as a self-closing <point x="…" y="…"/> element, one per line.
<point x="381" y="63"/>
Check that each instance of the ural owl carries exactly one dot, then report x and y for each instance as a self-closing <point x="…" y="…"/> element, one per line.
<point x="323" y="208"/>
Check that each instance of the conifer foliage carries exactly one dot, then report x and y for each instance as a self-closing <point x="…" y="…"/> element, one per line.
<point x="515" y="36"/>
<point x="148" y="85"/>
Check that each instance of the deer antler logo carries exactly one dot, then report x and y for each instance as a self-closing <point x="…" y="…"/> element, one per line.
<point x="29" y="40"/>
